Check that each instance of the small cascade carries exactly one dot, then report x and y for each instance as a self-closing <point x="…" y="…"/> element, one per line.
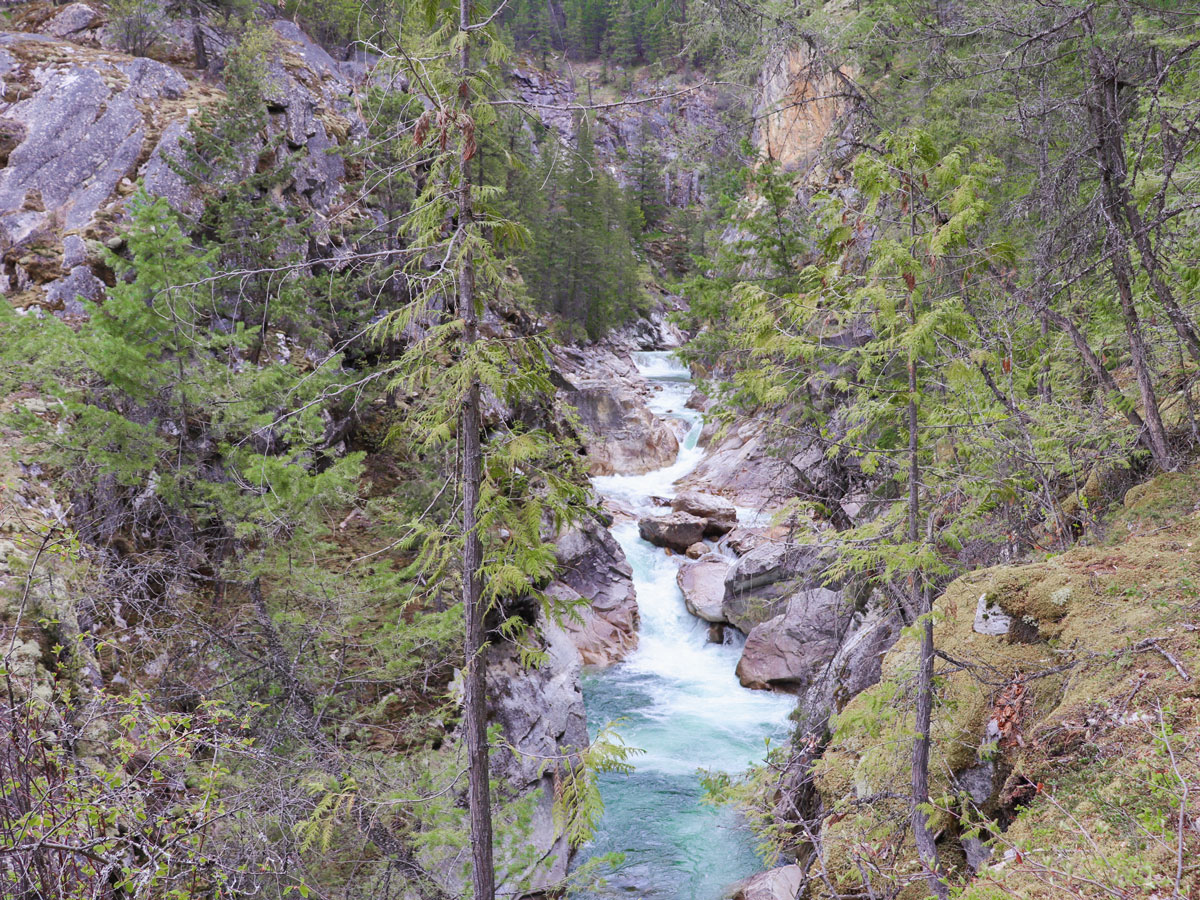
<point x="676" y="698"/>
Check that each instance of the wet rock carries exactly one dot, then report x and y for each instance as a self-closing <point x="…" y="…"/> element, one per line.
<point x="697" y="550"/>
<point x="597" y="582"/>
<point x="719" y="512"/>
<point x="782" y="883"/>
<point x="676" y="531"/>
<point x="703" y="585"/>
<point x="789" y="651"/>
<point x="541" y="714"/>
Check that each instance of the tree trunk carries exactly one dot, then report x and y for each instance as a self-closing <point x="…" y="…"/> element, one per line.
<point x="1104" y="116"/>
<point x="926" y="845"/>
<point x="1109" y="131"/>
<point x="483" y="872"/>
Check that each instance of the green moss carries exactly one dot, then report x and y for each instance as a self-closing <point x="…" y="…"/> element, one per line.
<point x="1080" y="692"/>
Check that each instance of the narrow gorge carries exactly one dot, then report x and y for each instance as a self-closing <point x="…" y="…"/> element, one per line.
<point x="675" y="698"/>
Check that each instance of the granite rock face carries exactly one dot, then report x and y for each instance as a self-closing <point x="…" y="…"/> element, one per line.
<point x="541" y="714"/>
<point x="80" y="122"/>
<point x="597" y="582"/>
<point x="622" y="436"/>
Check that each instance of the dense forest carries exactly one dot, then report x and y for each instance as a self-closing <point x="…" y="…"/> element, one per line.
<point x="598" y="448"/>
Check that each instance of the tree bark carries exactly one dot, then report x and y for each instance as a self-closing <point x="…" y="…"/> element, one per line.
<point x="483" y="872"/>
<point x="926" y="845"/>
<point x="1104" y="115"/>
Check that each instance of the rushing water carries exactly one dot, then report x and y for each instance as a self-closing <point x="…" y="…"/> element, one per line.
<point x="678" y="700"/>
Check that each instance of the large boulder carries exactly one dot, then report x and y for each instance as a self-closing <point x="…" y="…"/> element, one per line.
<point x="742" y="466"/>
<point x="777" y="561"/>
<point x="677" y="531"/>
<point x="540" y="712"/>
<point x="781" y="883"/>
<point x="758" y="584"/>
<point x="855" y="666"/>
<point x="718" y="512"/>
<point x="622" y="436"/>
<point x="596" y="582"/>
<point x="702" y="582"/>
<point x="789" y="651"/>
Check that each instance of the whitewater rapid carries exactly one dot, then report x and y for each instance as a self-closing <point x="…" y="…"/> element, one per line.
<point x="677" y="699"/>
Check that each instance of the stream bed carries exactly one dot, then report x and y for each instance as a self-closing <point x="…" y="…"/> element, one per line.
<point x="677" y="699"/>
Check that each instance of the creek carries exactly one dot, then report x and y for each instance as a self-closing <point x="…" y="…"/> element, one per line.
<point x="676" y="698"/>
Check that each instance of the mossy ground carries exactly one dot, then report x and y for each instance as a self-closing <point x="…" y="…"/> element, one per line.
<point x="1090" y="726"/>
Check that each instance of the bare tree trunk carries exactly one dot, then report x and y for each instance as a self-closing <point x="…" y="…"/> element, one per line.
<point x="1105" y="120"/>
<point x="926" y="845"/>
<point x="483" y="871"/>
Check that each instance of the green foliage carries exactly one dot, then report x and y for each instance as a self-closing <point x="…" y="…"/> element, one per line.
<point x="135" y="819"/>
<point x="579" y="260"/>
<point x="623" y="32"/>
<point x="137" y="25"/>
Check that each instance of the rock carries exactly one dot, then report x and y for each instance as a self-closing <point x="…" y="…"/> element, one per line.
<point x="71" y="19"/>
<point x="782" y="883"/>
<point x="716" y="633"/>
<point x="697" y="550"/>
<point x="703" y="585"/>
<point x="977" y="853"/>
<point x="990" y="619"/>
<point x="150" y="80"/>
<point x="979" y="781"/>
<point x="775" y="561"/>
<point x="788" y="651"/>
<point x="742" y="540"/>
<point x="621" y="434"/>
<point x="594" y="571"/>
<point x="798" y="105"/>
<point x="676" y="531"/>
<point x="64" y="294"/>
<point x="856" y="666"/>
<point x="541" y="713"/>
<point x="741" y="467"/>
<point x="758" y="584"/>
<point x="81" y="138"/>
<point x="720" y="513"/>
<point x="160" y="179"/>
<point x="623" y="437"/>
